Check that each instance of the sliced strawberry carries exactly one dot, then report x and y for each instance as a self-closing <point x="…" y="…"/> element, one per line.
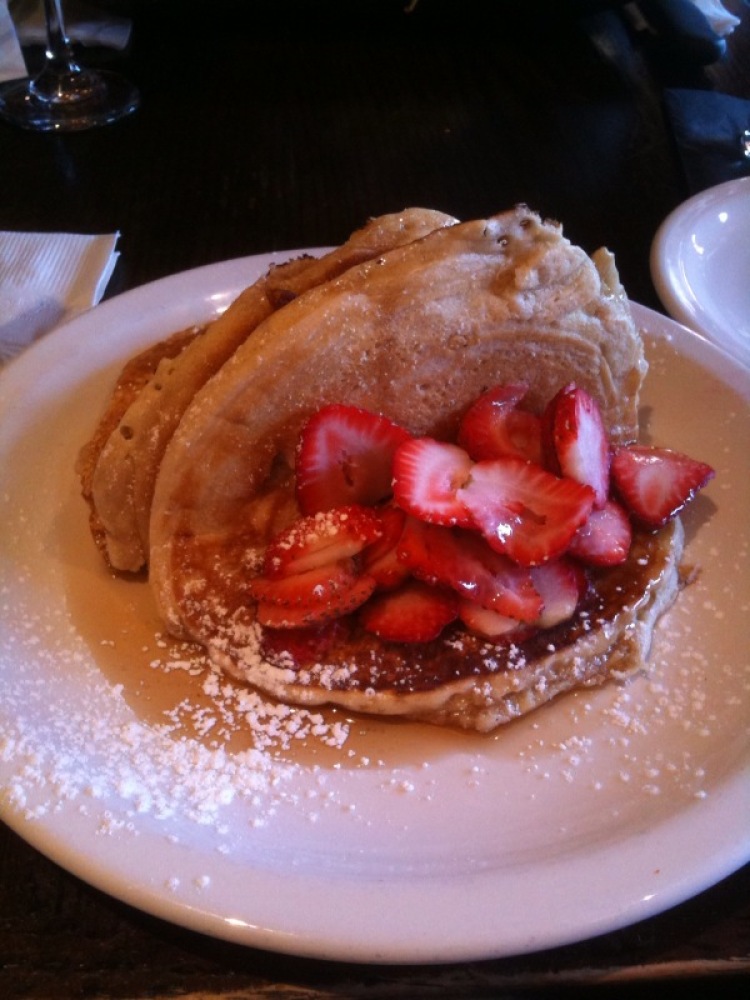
<point x="575" y="440"/>
<point x="415" y="612"/>
<point x="463" y="561"/>
<point x="562" y="583"/>
<point x="319" y="595"/>
<point x="426" y="477"/>
<point x="303" y="644"/>
<point x="380" y="560"/>
<point x="345" y="456"/>
<point x="494" y="426"/>
<point x="490" y="624"/>
<point x="523" y="510"/>
<point x="656" y="483"/>
<point x="604" y="540"/>
<point x="311" y="588"/>
<point x="325" y="537"/>
<point x="275" y="616"/>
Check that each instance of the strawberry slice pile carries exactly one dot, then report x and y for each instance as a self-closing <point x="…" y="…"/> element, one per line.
<point x="495" y="531"/>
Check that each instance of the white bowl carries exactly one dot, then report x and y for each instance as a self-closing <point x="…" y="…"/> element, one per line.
<point x="700" y="265"/>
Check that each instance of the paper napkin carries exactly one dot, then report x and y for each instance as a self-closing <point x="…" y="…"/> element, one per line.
<point x="12" y="63"/>
<point x="46" y="278"/>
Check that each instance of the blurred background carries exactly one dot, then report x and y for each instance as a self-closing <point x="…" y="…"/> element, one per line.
<point x="358" y="107"/>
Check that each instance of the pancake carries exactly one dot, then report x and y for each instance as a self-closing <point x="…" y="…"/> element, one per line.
<point x="121" y="469"/>
<point x="460" y="679"/>
<point x="416" y="334"/>
<point x="131" y="381"/>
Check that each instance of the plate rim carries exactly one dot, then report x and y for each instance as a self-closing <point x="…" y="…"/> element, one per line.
<point x="665" y="266"/>
<point x="58" y="344"/>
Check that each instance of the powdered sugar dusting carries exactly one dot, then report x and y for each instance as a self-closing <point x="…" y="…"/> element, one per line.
<point x="232" y="706"/>
<point x="103" y="717"/>
<point x="105" y="725"/>
<point x="656" y="735"/>
<point x="76" y="732"/>
<point x="70" y="737"/>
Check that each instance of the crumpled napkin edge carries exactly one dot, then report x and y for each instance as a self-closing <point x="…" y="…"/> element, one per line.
<point x="79" y="269"/>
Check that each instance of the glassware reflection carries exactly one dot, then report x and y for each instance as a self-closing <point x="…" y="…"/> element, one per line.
<point x="65" y="96"/>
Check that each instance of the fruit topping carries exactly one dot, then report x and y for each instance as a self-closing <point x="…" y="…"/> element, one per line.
<point x="562" y="584"/>
<point x="496" y="530"/>
<point x="415" y="612"/>
<point x="656" y="483"/>
<point x="604" y="540"/>
<point x="462" y="560"/>
<point x="490" y="624"/>
<point x="345" y="456"/>
<point x="304" y="643"/>
<point x="495" y="426"/>
<point x="307" y="589"/>
<point x="523" y="510"/>
<point x="321" y="538"/>
<point x="427" y="475"/>
<point x="380" y="560"/>
<point x="575" y="442"/>
<point x="317" y="595"/>
<point x="278" y="616"/>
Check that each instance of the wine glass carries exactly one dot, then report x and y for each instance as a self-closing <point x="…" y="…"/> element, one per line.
<point x="64" y="96"/>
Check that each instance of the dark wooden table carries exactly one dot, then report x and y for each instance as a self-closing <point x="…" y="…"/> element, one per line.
<point x="281" y="125"/>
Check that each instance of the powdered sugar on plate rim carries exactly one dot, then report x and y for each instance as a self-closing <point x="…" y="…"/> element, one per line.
<point x="144" y="779"/>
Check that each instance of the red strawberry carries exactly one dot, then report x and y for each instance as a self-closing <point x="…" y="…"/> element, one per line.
<point x="426" y="477"/>
<point x="276" y="616"/>
<point x="321" y="538"/>
<point x="656" y="483"/>
<point x="380" y="560"/>
<point x="345" y="456"/>
<point x="562" y="584"/>
<point x="415" y="612"/>
<point x="604" y="540"/>
<point x="463" y="561"/>
<point x="302" y="644"/>
<point x="575" y="440"/>
<point x="310" y="588"/>
<point x="490" y="624"/>
<point x="309" y="598"/>
<point x="494" y="426"/>
<point x="524" y="511"/>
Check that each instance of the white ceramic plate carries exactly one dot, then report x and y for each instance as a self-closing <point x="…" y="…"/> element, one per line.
<point x="127" y="762"/>
<point x="700" y="264"/>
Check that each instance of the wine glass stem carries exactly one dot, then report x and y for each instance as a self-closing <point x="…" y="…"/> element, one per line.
<point x="61" y="81"/>
<point x="59" y="53"/>
<point x="58" y="43"/>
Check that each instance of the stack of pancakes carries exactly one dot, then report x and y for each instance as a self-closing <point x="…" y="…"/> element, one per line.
<point x="191" y="468"/>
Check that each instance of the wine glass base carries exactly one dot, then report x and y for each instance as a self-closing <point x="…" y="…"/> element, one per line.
<point x="110" y="98"/>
